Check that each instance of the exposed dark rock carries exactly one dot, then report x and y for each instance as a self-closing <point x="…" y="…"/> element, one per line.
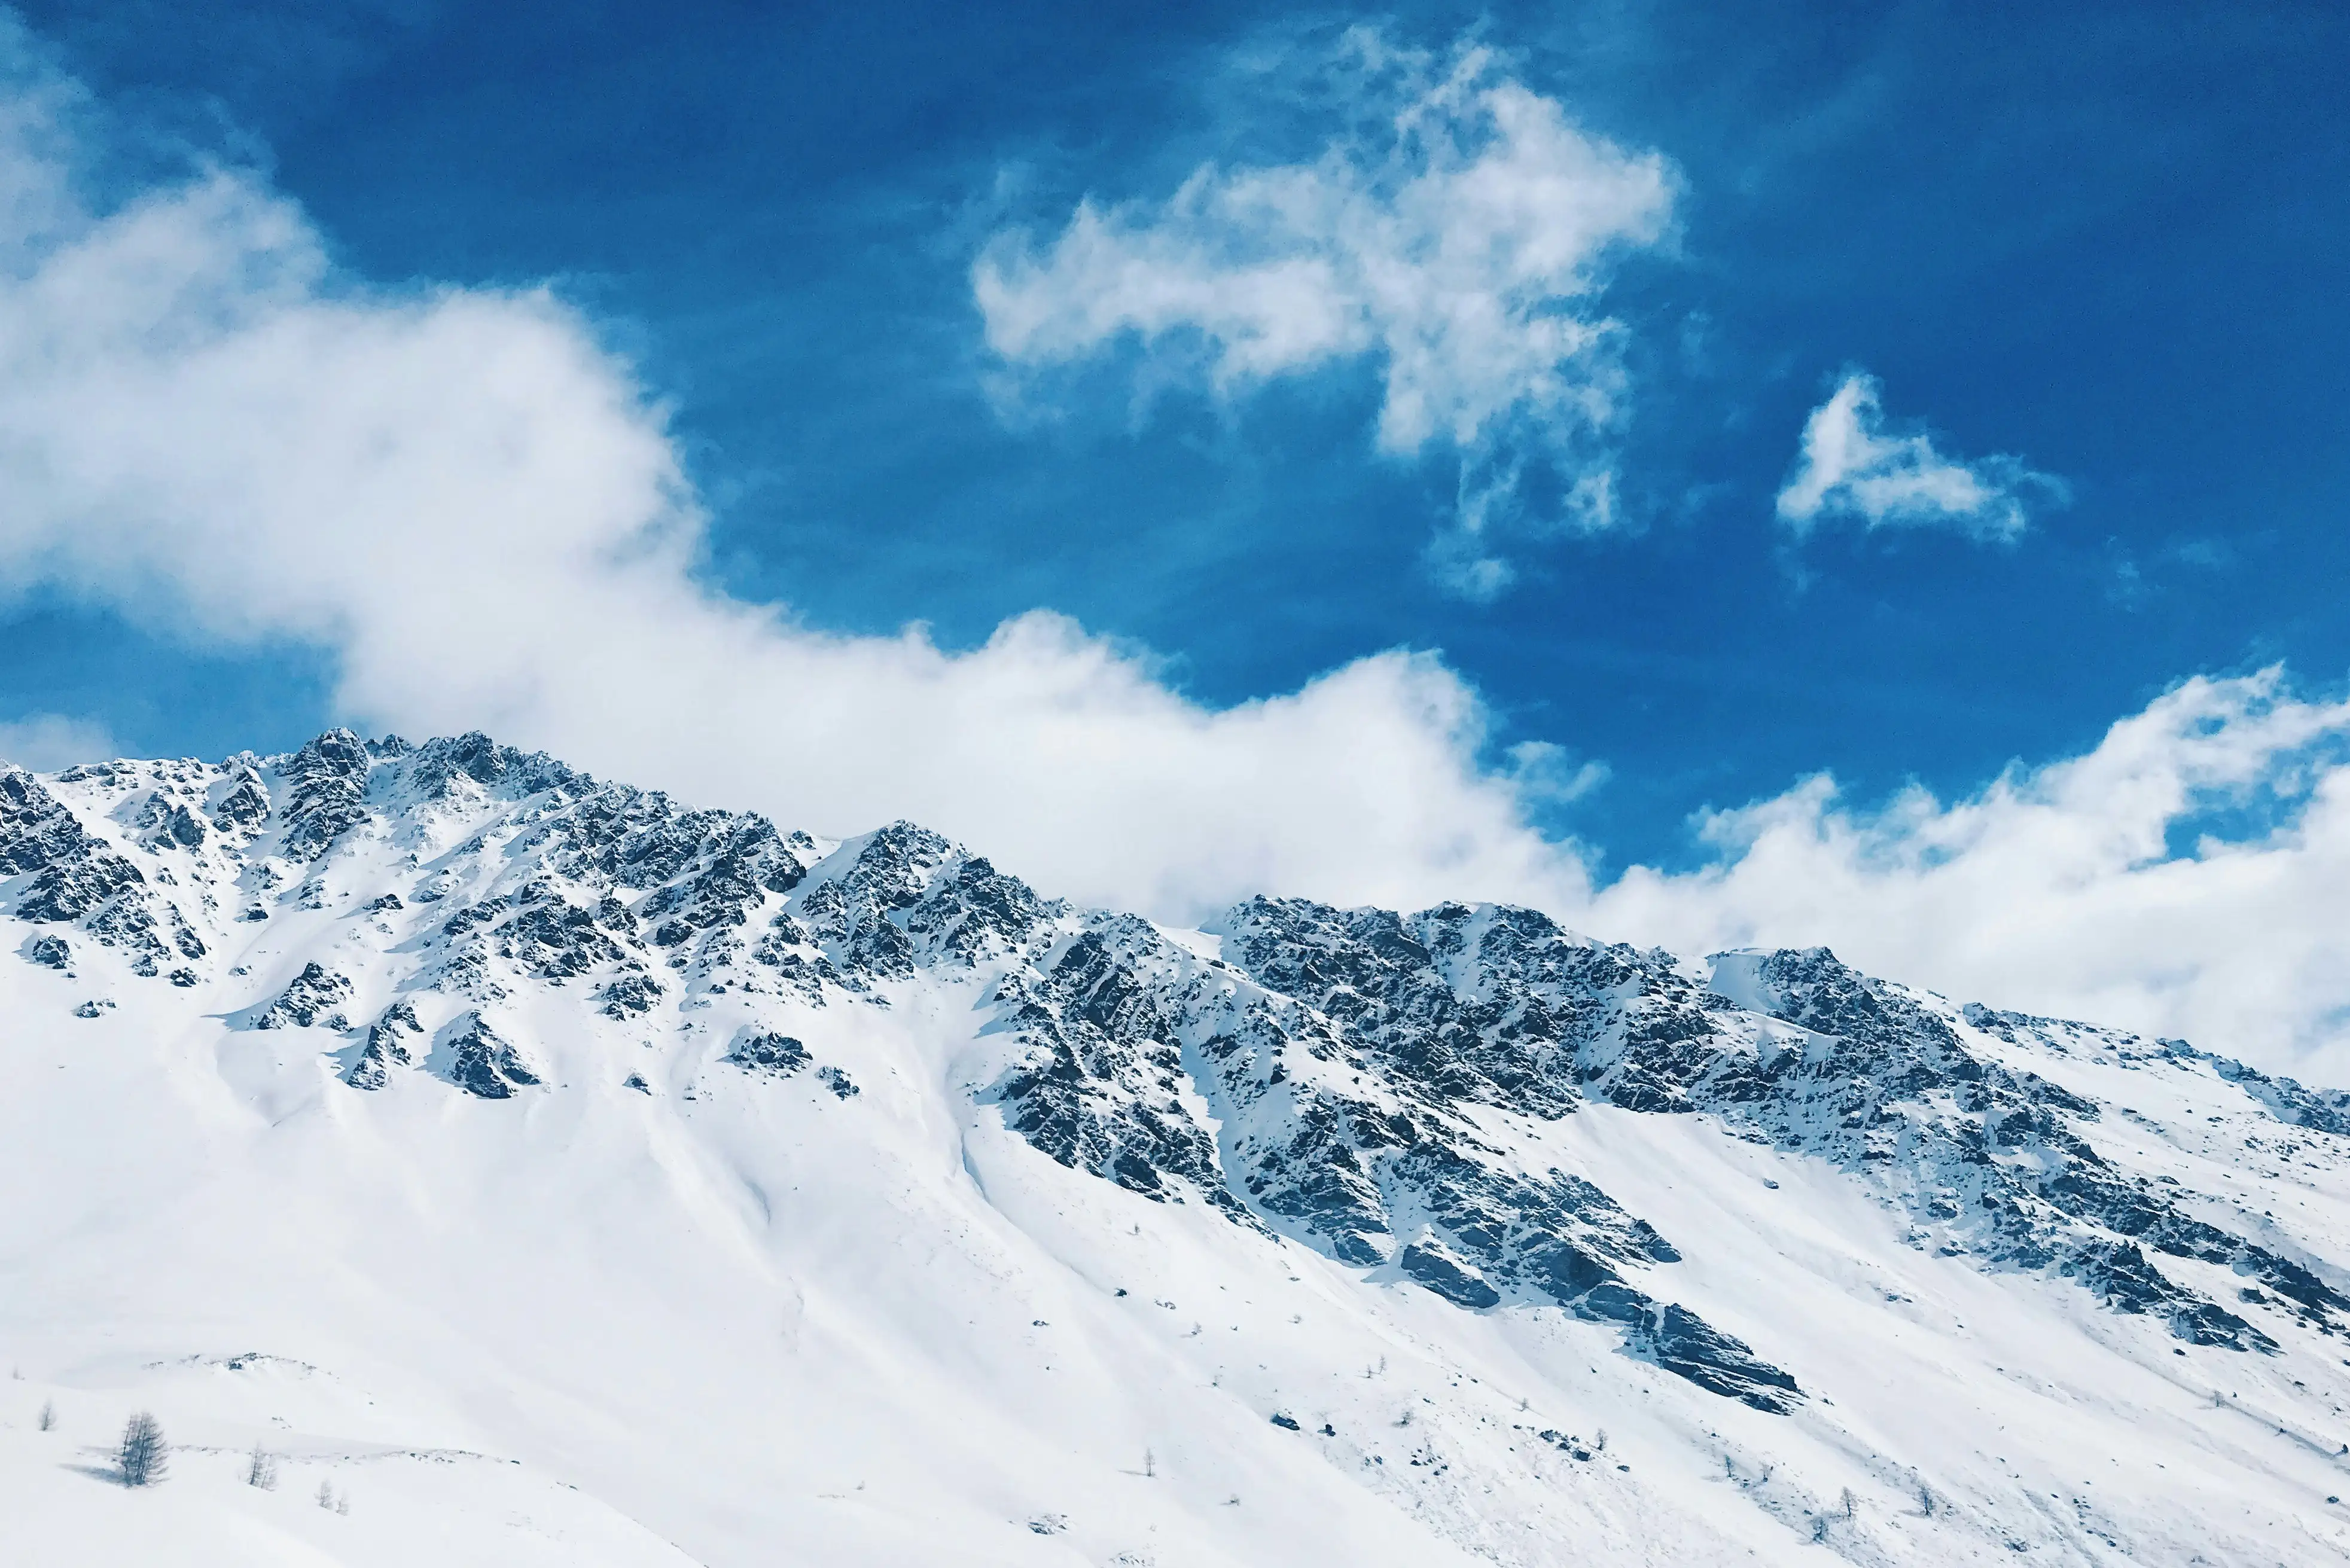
<point x="243" y="807"/>
<point x="1684" y="1344"/>
<point x="35" y="832"/>
<point x="762" y="1052"/>
<point x="312" y="997"/>
<point x="550" y="937"/>
<point x="483" y="1063"/>
<point x="631" y="995"/>
<point x="169" y="822"/>
<point x="1333" y="1130"/>
<point x="327" y="779"/>
<point x="1381" y="978"/>
<point x="1449" y="1277"/>
<point x="391" y="1043"/>
<point x="909" y="894"/>
<point x="434" y="767"/>
<point x="1098" y="1086"/>
<point x="75" y="876"/>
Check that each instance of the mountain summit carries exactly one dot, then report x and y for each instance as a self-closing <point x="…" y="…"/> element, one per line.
<point x="568" y="1175"/>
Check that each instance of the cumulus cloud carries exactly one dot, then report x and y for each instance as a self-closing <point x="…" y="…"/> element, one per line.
<point x="45" y="742"/>
<point x="477" y="509"/>
<point x="1456" y="232"/>
<point x="1850" y="468"/>
<point x="2183" y="878"/>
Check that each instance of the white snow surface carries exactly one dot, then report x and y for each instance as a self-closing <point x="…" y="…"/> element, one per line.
<point x="659" y="1308"/>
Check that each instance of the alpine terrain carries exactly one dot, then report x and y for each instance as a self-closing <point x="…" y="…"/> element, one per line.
<point x="539" y="1170"/>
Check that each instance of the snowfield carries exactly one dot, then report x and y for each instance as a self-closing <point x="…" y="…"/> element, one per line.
<point x="559" y="1175"/>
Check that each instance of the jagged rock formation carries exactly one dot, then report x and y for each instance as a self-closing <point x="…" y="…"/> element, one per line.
<point x="764" y="1051"/>
<point x="484" y="1063"/>
<point x="389" y="1046"/>
<point x="1385" y="1088"/>
<point x="312" y="997"/>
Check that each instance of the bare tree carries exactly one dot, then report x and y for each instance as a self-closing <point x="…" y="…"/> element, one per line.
<point x="143" y="1453"/>
<point x="1848" y="1503"/>
<point x="326" y="1494"/>
<point x="48" y="1418"/>
<point x="1150" y="1463"/>
<point x="261" y="1471"/>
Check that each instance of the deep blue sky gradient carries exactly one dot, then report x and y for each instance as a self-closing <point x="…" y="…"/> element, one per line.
<point x="2107" y="238"/>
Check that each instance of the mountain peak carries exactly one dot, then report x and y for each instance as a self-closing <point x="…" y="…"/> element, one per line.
<point x="1465" y="1118"/>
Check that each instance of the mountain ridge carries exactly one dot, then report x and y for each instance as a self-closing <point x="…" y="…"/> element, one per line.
<point x="1407" y="1097"/>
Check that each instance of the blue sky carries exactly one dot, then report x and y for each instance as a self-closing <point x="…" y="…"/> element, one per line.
<point x="2103" y="238"/>
<point x="2055" y="290"/>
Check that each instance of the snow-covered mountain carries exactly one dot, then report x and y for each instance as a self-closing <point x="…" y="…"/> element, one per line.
<point x="564" y="1175"/>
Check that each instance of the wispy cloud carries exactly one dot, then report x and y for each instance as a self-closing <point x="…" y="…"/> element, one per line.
<point x="1850" y="468"/>
<point x="475" y="508"/>
<point x="2182" y="877"/>
<point x="1455" y="230"/>
<point x="478" y="511"/>
<point x="45" y="741"/>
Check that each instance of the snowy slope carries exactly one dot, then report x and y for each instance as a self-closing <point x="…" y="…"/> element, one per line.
<point x="560" y="1174"/>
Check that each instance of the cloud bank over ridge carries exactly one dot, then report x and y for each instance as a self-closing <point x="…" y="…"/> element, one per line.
<point x="474" y="505"/>
<point x="2182" y="877"/>
<point x="478" y="509"/>
<point x="47" y="741"/>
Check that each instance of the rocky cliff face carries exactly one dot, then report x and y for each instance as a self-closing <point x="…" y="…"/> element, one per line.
<point x="1352" y="1078"/>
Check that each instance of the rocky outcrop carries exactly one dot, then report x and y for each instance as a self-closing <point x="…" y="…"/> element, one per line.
<point x="243" y="806"/>
<point x="1339" y="1130"/>
<point x="1101" y="1083"/>
<point x="483" y="1063"/>
<point x="75" y="876"/>
<point x="391" y="1044"/>
<point x="314" y="997"/>
<point x="327" y="781"/>
<point x="167" y="821"/>
<point x="764" y="1051"/>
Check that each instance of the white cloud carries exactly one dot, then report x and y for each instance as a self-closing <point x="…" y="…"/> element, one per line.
<point x="47" y="741"/>
<point x="1546" y="774"/>
<point x="2185" y="876"/>
<point x="1848" y="468"/>
<point x="1456" y="232"/>
<point x="475" y="507"/>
